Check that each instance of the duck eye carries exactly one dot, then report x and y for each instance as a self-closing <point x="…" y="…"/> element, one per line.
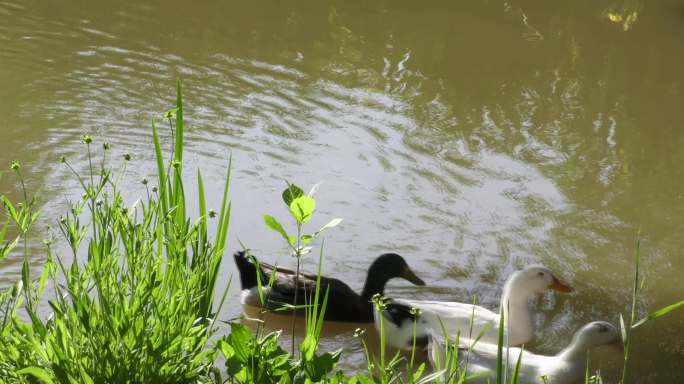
<point x="540" y="273"/>
<point x="602" y="328"/>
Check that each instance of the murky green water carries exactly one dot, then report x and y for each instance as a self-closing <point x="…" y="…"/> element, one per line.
<point x="471" y="137"/>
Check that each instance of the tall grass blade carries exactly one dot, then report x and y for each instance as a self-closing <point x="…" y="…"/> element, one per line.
<point x="635" y="294"/>
<point x="178" y="151"/>
<point x="659" y="313"/>
<point x="324" y="306"/>
<point x="586" y="370"/>
<point x="499" y="352"/>
<point x="160" y="170"/>
<point x="516" y="372"/>
<point x="178" y="193"/>
<point x="202" y="210"/>
<point x="224" y="216"/>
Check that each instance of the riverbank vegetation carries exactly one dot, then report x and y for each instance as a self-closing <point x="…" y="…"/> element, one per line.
<point x="137" y="298"/>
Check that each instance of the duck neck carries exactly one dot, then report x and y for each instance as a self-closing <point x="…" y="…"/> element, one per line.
<point x="575" y="352"/>
<point x="517" y="313"/>
<point x="374" y="285"/>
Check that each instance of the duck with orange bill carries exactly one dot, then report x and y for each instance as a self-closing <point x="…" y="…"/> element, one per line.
<point x="468" y="320"/>
<point x="568" y="366"/>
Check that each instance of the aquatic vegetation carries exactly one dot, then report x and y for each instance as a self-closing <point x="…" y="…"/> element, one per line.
<point x="136" y="303"/>
<point x="134" y="300"/>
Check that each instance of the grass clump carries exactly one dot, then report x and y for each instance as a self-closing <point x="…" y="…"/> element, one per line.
<point x="136" y="304"/>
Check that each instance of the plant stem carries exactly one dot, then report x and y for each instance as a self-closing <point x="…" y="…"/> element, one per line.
<point x="90" y="165"/>
<point x="413" y="348"/>
<point x="23" y="187"/>
<point x="382" y="346"/>
<point x="298" y="254"/>
<point x="632" y="317"/>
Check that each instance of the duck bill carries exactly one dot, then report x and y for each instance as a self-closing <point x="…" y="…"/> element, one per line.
<point x="410" y="276"/>
<point x="557" y="286"/>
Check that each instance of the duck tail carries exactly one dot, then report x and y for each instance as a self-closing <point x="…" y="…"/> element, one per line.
<point x="247" y="269"/>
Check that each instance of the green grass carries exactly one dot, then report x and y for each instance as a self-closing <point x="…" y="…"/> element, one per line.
<point x="135" y="302"/>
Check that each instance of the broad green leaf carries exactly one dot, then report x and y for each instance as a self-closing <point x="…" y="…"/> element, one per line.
<point x="38" y="373"/>
<point x="418" y="372"/>
<point x="226" y="349"/>
<point x="290" y="193"/>
<point x="308" y="347"/>
<point x="325" y="363"/>
<point x="273" y="224"/>
<point x="659" y="313"/>
<point x="6" y="248"/>
<point x="302" y="208"/>
<point x="240" y="339"/>
<point x="3" y="231"/>
<point x="10" y="209"/>
<point x="85" y="377"/>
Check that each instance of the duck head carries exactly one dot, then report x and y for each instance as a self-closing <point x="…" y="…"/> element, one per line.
<point x="536" y="279"/>
<point x="596" y="334"/>
<point x="390" y="265"/>
<point x="592" y="335"/>
<point x="387" y="266"/>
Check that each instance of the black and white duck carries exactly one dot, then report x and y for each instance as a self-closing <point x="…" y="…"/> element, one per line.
<point x="343" y="303"/>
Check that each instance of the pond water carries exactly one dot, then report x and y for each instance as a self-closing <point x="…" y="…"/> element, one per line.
<point x="474" y="138"/>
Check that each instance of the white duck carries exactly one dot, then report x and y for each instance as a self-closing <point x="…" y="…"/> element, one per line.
<point x="456" y="318"/>
<point x="566" y="367"/>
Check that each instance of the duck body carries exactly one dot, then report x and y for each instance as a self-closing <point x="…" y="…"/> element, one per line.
<point x="343" y="304"/>
<point x="469" y="321"/>
<point x="399" y="325"/>
<point x="456" y="319"/>
<point x="534" y="369"/>
<point x="566" y="367"/>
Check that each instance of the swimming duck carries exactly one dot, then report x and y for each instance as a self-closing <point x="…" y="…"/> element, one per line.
<point x="343" y="303"/>
<point x="457" y="317"/>
<point x="566" y="367"/>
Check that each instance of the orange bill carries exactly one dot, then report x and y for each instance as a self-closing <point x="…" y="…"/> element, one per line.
<point x="557" y="286"/>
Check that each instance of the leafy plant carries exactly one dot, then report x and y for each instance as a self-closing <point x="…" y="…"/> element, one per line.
<point x="301" y="208"/>
<point x="137" y="302"/>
